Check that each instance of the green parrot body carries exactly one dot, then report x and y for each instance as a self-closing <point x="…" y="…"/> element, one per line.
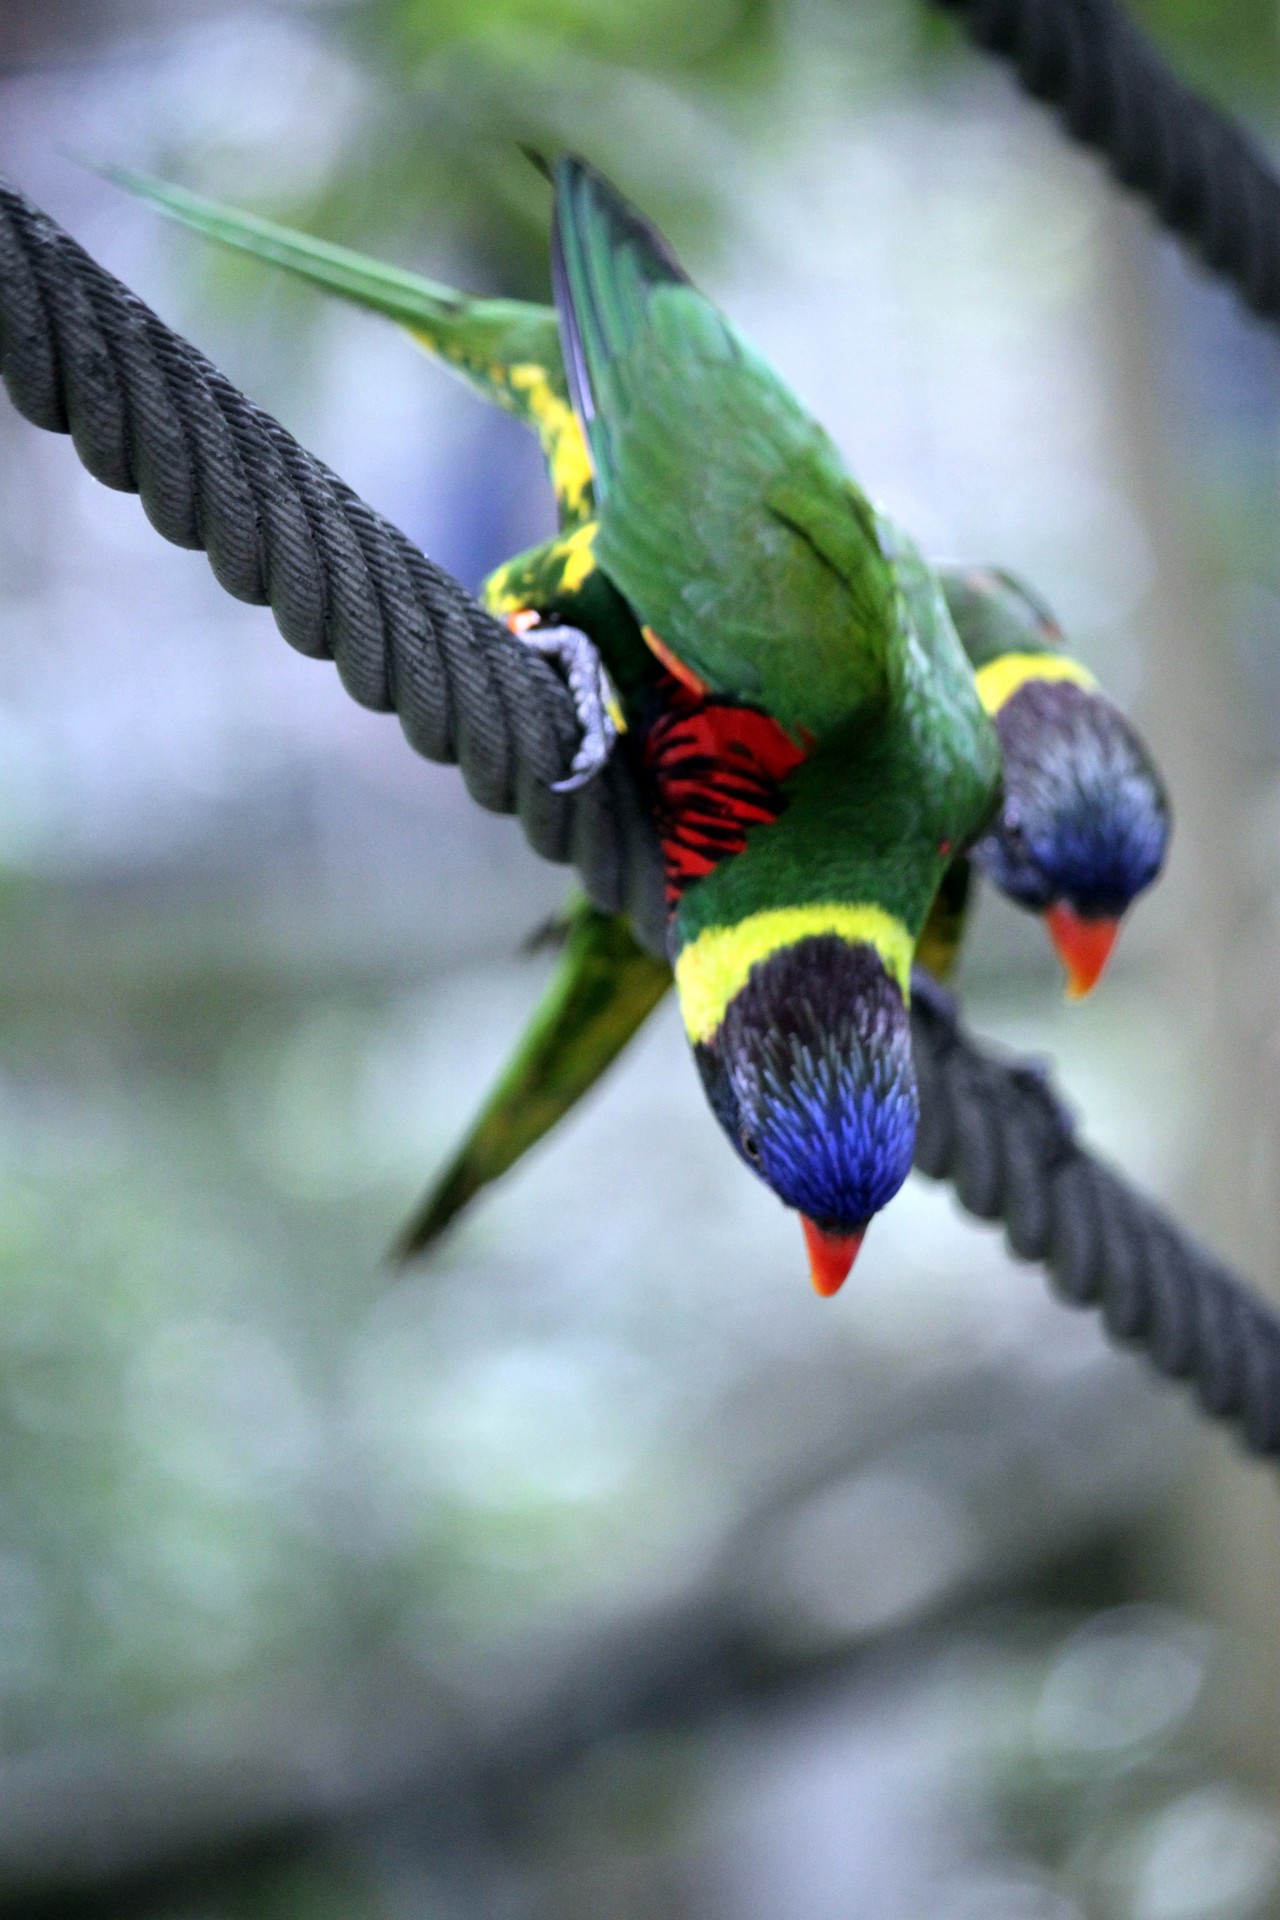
<point x="765" y="580"/>
<point x="771" y="583"/>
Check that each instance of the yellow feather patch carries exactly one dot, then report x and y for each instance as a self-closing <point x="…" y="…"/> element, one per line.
<point x="1001" y="678"/>
<point x="525" y="390"/>
<point x="442" y="348"/>
<point x="939" y="946"/>
<point x="578" y="551"/>
<point x="714" y="967"/>
<point x="563" y="441"/>
<point x="535" y="578"/>
<point x="500" y="594"/>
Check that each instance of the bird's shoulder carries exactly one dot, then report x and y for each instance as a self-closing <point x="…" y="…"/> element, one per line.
<point x="741" y="541"/>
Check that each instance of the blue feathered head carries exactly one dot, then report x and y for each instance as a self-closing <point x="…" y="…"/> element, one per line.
<point x="810" y="1075"/>
<point x="1084" y="826"/>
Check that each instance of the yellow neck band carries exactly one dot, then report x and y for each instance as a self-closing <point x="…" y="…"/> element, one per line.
<point x="1001" y="678"/>
<point x="714" y="966"/>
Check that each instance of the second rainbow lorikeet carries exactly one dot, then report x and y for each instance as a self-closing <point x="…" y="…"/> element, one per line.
<point x="1083" y="827"/>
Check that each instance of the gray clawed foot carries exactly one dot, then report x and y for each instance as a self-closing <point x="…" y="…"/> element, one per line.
<point x="592" y="694"/>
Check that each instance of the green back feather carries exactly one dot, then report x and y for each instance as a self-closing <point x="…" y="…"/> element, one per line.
<point x="726" y="517"/>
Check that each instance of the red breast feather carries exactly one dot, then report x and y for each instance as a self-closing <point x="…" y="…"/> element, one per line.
<point x="717" y="770"/>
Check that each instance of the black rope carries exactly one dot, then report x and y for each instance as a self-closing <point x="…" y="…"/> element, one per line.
<point x="80" y="354"/>
<point x="998" y="1132"/>
<point x="148" y="414"/>
<point x="1204" y="178"/>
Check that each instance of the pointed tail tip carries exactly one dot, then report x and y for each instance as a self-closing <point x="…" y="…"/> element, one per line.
<point x="419" y="1234"/>
<point x="404" y="1249"/>
<point x="537" y="159"/>
<point x="831" y="1255"/>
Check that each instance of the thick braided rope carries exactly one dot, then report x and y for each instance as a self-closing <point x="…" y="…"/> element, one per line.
<point x="996" y="1130"/>
<point x="80" y="354"/>
<point x="1204" y="178"/>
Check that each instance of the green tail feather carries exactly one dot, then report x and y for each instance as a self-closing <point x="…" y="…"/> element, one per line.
<point x="603" y="990"/>
<point x="507" y="350"/>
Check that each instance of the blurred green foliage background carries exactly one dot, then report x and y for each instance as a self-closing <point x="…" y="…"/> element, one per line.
<point x="598" y="1570"/>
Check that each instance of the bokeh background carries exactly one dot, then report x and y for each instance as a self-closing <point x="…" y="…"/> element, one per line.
<point x="598" y="1571"/>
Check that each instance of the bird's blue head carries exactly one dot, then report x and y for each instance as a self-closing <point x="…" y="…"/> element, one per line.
<point x="1084" y="824"/>
<point x="810" y="1074"/>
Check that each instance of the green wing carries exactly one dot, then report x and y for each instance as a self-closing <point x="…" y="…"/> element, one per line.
<point x="507" y="350"/>
<point x="726" y="517"/>
<point x="603" y="990"/>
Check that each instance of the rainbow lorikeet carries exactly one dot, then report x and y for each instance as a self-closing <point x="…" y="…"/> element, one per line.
<point x="606" y="984"/>
<point x="1084" y="824"/>
<point x="796" y="705"/>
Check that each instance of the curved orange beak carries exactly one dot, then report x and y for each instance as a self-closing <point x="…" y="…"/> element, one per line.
<point x="1083" y="947"/>
<point x="830" y="1256"/>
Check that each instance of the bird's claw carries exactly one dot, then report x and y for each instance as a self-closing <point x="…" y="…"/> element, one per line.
<point x="592" y="694"/>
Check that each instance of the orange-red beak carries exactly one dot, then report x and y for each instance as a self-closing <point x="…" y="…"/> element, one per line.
<point x="830" y="1256"/>
<point x="1083" y="947"/>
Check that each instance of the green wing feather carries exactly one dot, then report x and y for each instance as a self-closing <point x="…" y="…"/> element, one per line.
<point x="726" y="517"/>
<point x="996" y="613"/>
<point x="603" y="990"/>
<point x="506" y="350"/>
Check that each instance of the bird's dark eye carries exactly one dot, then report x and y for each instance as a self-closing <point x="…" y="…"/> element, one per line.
<point x="750" y="1146"/>
<point x="1014" y="833"/>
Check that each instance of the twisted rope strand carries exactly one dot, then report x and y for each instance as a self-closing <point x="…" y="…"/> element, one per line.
<point x="1203" y="177"/>
<point x="148" y="414"/>
<point x="999" y="1133"/>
